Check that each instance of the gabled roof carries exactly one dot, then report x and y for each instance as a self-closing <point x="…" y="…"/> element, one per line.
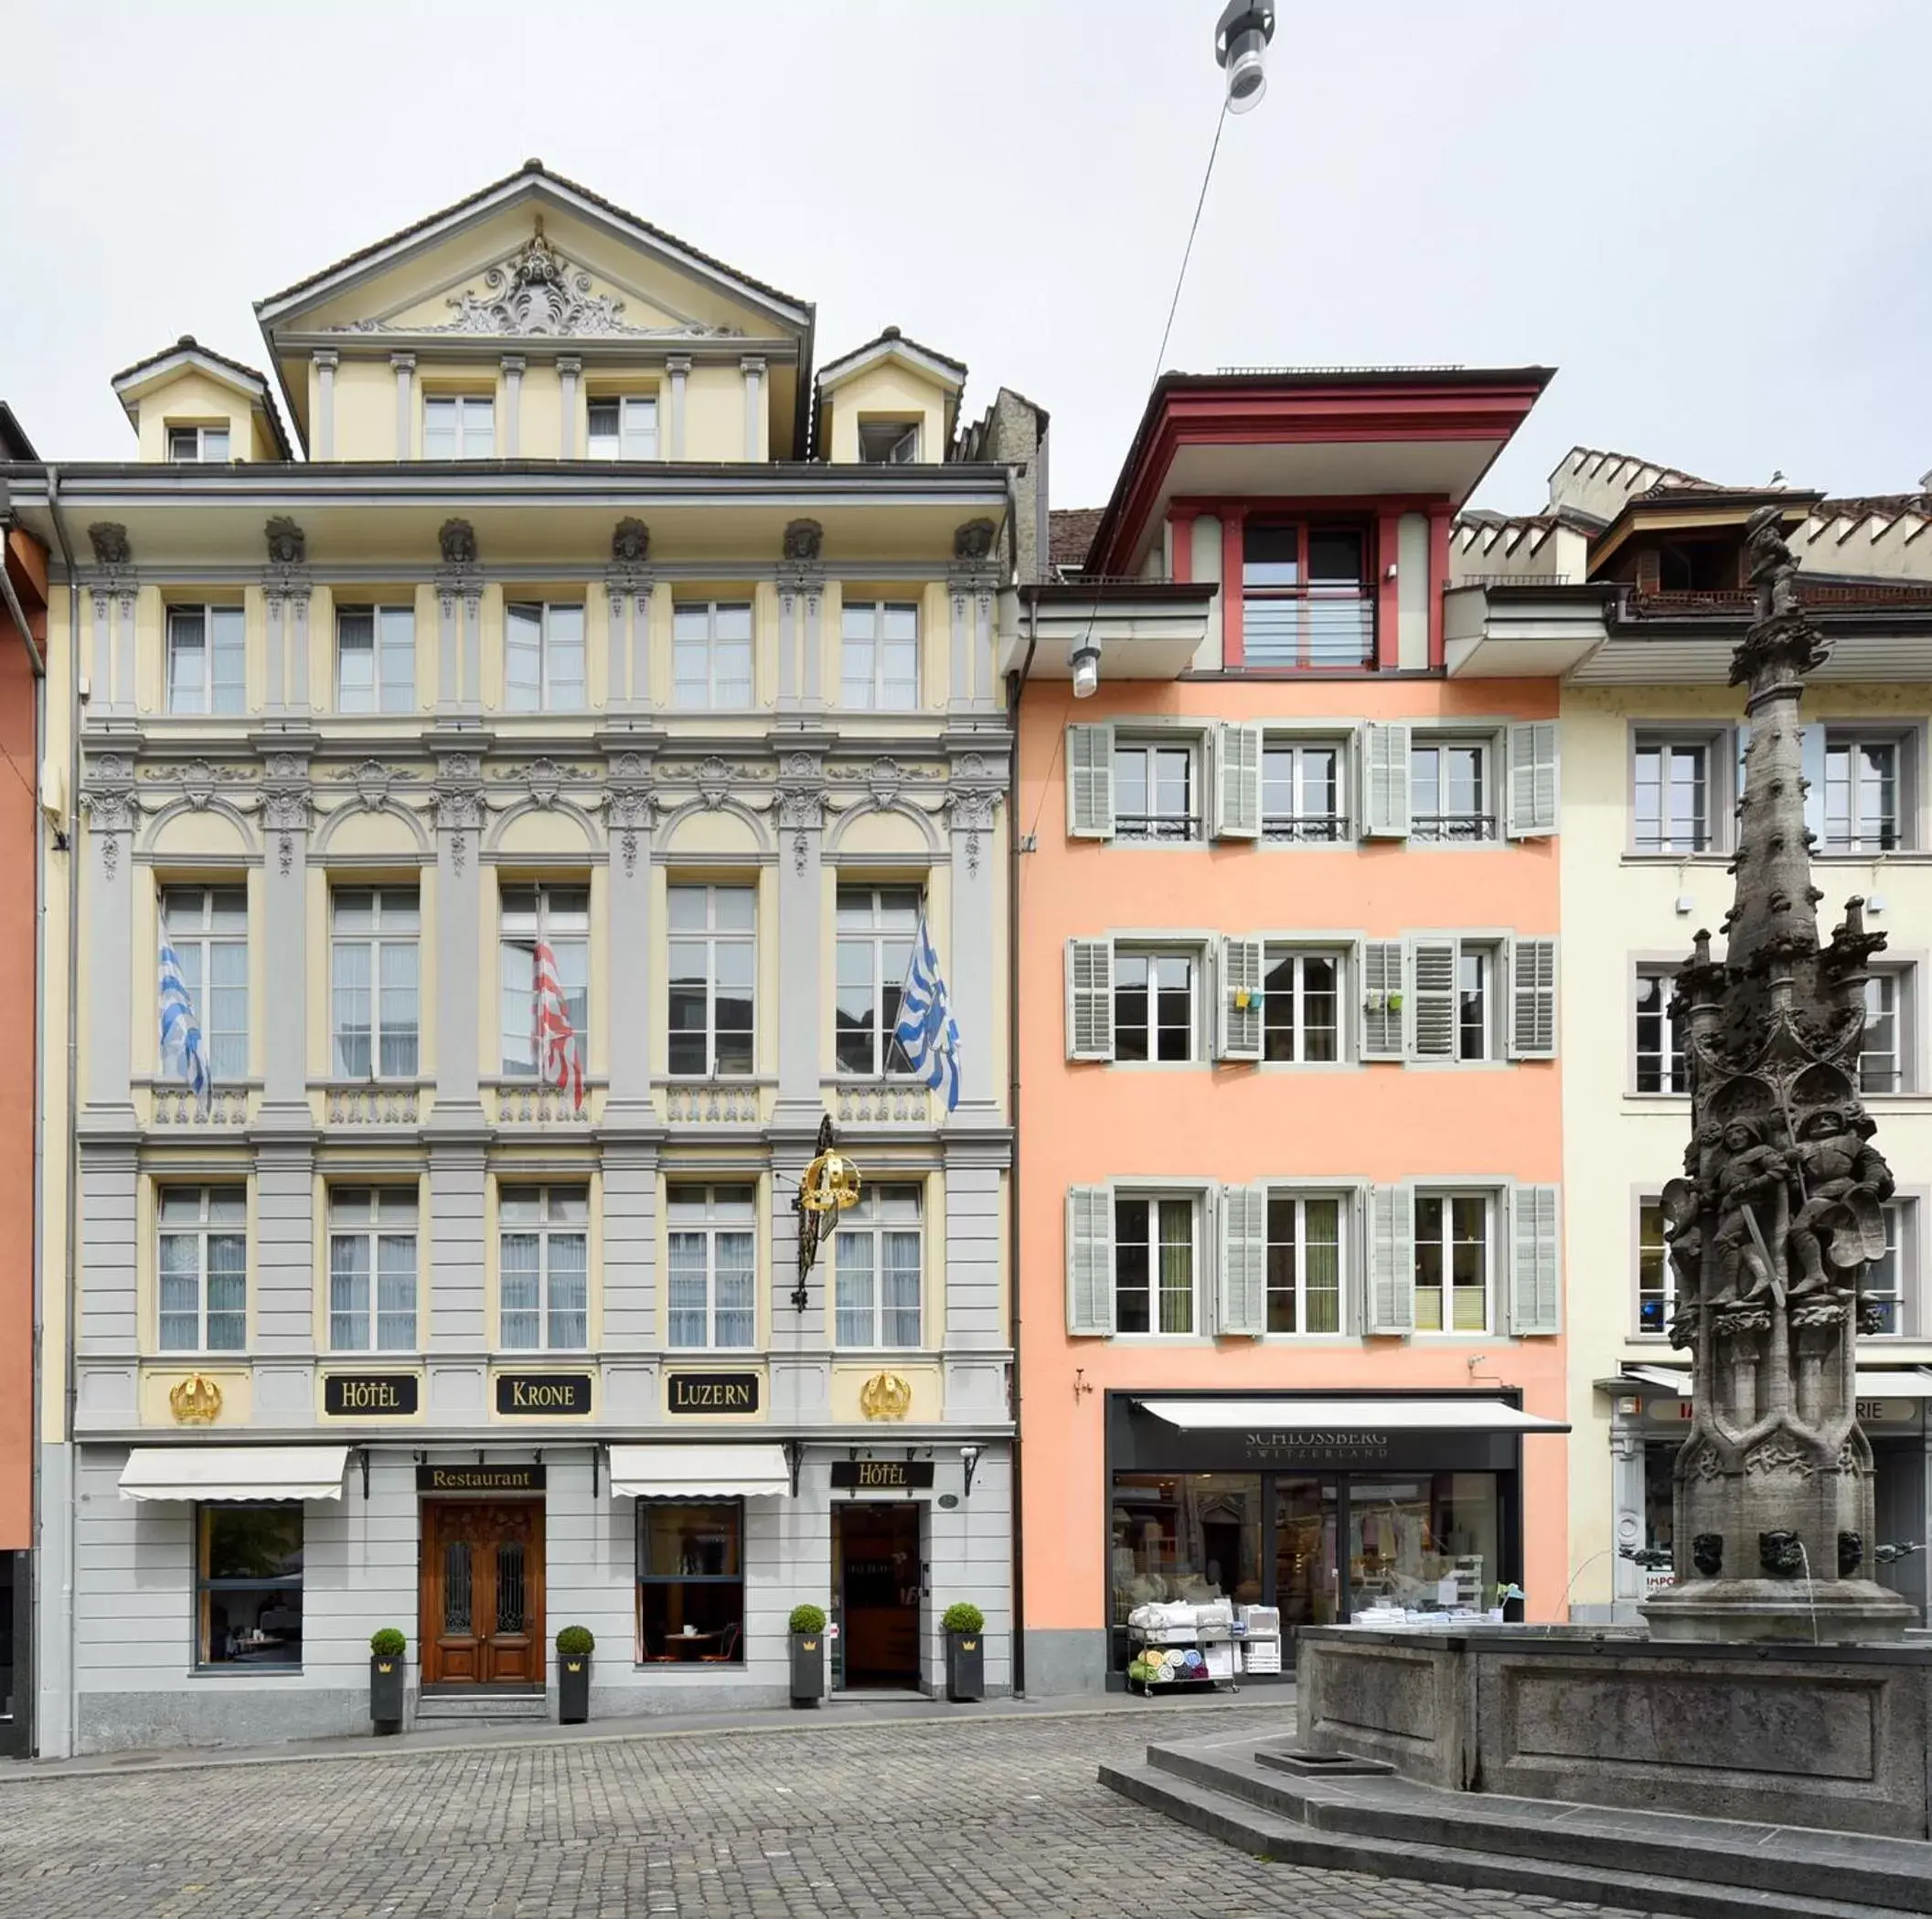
<point x="893" y="344"/>
<point x="188" y="351"/>
<point x="1069" y="534"/>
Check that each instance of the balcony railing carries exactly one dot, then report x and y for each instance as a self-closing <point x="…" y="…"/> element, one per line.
<point x="1452" y="827"/>
<point x="1332" y="626"/>
<point x="1155" y="825"/>
<point x="176" y="1106"/>
<point x="1308" y="828"/>
<point x="375" y="1104"/>
<point x="711" y="1102"/>
<point x="534" y="1105"/>
<point x="883" y="1102"/>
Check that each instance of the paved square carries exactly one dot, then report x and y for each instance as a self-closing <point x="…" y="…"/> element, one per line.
<point x="921" y="1820"/>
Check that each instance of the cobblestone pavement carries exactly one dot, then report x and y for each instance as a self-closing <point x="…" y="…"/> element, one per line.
<point x="971" y="1820"/>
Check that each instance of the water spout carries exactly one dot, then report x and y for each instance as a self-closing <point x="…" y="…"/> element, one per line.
<point x="1564" y="1605"/>
<point x="1810" y="1590"/>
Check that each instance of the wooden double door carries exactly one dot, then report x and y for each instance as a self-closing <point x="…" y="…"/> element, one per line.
<point x="483" y="1593"/>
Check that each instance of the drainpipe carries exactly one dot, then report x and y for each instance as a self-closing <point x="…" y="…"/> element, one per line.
<point x="1016" y="685"/>
<point x="73" y="1090"/>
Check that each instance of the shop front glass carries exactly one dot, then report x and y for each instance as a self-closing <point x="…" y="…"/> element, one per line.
<point x="1425" y="1541"/>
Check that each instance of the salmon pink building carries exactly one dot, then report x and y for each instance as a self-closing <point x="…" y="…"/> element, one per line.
<point x="1290" y="1112"/>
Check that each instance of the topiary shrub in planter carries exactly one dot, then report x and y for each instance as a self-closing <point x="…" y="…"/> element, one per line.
<point x="807" y="1625"/>
<point x="575" y="1645"/>
<point x="964" y="1628"/>
<point x="388" y="1675"/>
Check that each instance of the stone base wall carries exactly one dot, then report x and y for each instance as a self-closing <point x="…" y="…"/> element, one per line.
<point x="1833" y="1737"/>
<point x="1065" y="1660"/>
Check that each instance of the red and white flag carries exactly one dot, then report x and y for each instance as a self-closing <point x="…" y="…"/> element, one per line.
<point x="559" y="1063"/>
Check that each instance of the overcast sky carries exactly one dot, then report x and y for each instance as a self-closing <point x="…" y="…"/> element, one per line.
<point x="1712" y="216"/>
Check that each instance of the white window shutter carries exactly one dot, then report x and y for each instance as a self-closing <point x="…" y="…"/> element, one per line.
<point x="1385" y="782"/>
<point x="1244" y="1260"/>
<point x="1090" y="1000"/>
<point x="1430" y="1000"/>
<point x="1237" y="783"/>
<point x="1090" y="783"/>
<point x="1535" y="1261"/>
<point x="1090" y="1261"/>
<point x="1532" y="999"/>
<point x="1238" y="1002"/>
<point x="1533" y="780"/>
<point x="1391" y="1260"/>
<point x="1382" y="996"/>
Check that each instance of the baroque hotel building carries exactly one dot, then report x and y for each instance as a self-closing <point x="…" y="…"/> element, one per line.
<point x="534" y="760"/>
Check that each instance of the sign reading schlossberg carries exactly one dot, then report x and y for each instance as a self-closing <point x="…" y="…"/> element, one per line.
<point x="370" y="1395"/>
<point x="525" y="1395"/>
<point x="1314" y="1445"/>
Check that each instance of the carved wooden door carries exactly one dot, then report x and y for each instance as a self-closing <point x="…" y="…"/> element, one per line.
<point x="483" y="1592"/>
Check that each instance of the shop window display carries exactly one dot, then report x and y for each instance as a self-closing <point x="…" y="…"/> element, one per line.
<point x="249" y="1585"/>
<point x="1189" y="1537"/>
<point x="1426" y="1543"/>
<point x="690" y="1582"/>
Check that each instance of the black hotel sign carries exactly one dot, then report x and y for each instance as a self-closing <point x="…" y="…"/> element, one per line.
<point x="370" y="1395"/>
<point x="713" y="1392"/>
<point x="880" y="1476"/>
<point x="534" y="1394"/>
<point x="479" y="1478"/>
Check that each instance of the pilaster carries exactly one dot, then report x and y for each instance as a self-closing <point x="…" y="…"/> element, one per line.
<point x="459" y="633"/>
<point x="629" y="584"/>
<point x="569" y="365"/>
<point x="630" y="1245"/>
<point x="752" y="368"/>
<point x="677" y="366"/>
<point x="972" y="583"/>
<point x="324" y="437"/>
<point x="405" y="366"/>
<point x="799" y="819"/>
<point x="630" y="814"/>
<point x="801" y="608"/>
<point x="513" y="364"/>
<point x="287" y="592"/>
<point x="974" y="790"/>
<point x="286" y="812"/>
<point x="107" y="905"/>
<point x="457" y="805"/>
<point x="113" y="591"/>
<point x="283" y="1280"/>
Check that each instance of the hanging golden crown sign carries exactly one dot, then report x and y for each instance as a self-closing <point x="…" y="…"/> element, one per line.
<point x="830" y="1184"/>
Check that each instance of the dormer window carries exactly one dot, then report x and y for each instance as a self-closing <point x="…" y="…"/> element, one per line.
<point x="198" y="445"/>
<point x="889" y="443"/>
<point x="624" y="428"/>
<point x="459" y="426"/>
<point x="1305" y="596"/>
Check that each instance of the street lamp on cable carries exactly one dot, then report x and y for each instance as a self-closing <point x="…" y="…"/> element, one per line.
<point x="1241" y="44"/>
<point x="1084" y="660"/>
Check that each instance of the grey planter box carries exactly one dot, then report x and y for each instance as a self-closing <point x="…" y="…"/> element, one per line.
<point x="388" y="1688"/>
<point x="574" y="1687"/>
<point x="966" y="1666"/>
<point x="807" y="1669"/>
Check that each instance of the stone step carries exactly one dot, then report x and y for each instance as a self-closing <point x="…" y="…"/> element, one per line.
<point x="1240" y="1822"/>
<point x="482" y="1708"/>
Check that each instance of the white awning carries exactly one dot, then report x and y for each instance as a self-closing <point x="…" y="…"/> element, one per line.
<point x="234" y="1473"/>
<point x="699" y="1472"/>
<point x="1905" y="1383"/>
<point x="1471" y="1414"/>
<point x="1672" y="1379"/>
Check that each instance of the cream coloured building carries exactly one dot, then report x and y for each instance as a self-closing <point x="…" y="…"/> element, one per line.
<point x="594" y="631"/>
<point x="1631" y="585"/>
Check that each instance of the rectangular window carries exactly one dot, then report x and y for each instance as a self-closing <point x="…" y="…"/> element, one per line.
<point x="1885" y="1055"/>
<point x="208" y="928"/>
<point x="1303" y="794"/>
<point x="880" y="1274"/>
<point x="543" y="657"/>
<point x="373" y="969"/>
<point x="713" y="1266"/>
<point x="1672" y="790"/>
<point x="545" y="1268"/>
<point x="206" y="659"/>
<point x="711" y="655"/>
<point x="204" y="1269"/>
<point x="247" y="1586"/>
<point x="1452" y="1262"/>
<point x="889" y="443"/>
<point x="714" y="960"/>
<point x="1154" y="1264"/>
<point x="374" y="659"/>
<point x="1157" y="791"/>
<point x="1660" y="1063"/>
<point x="1155" y="1014"/>
<point x="622" y="427"/>
<point x="1301" y="1005"/>
<point x="1304" y="1264"/>
<point x="1888" y="1290"/>
<point x="1475" y="1011"/>
<point x="459" y="426"/>
<point x="198" y="445"/>
<point x="1305" y="597"/>
<point x="877" y="926"/>
<point x="557" y="917"/>
<point x="1450" y="793"/>
<point x="373" y="1269"/>
<point x="690" y="1582"/>
<point x="1862" y="807"/>
<point x="879" y="669"/>
<point x="1656" y="1278"/>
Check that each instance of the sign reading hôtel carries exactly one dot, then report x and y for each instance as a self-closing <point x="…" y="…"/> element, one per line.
<point x="535" y="1394"/>
<point x="370" y="1395"/>
<point x="712" y="1391"/>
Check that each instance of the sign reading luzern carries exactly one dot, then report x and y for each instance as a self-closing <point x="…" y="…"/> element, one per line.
<point x="880" y="1476"/>
<point x="528" y="1394"/>
<point x="713" y="1392"/>
<point x="479" y="1478"/>
<point x="370" y="1395"/>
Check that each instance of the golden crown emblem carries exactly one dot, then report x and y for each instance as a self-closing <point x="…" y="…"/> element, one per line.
<point x="885" y="1396"/>
<point x="195" y="1401"/>
<point x="830" y="1184"/>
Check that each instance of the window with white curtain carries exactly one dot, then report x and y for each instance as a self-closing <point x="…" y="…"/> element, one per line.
<point x="543" y="656"/>
<point x="544" y="1268"/>
<point x="622" y="426"/>
<point x="714" y="960"/>
<point x="373" y="991"/>
<point x="459" y="426"/>
<point x="879" y="669"/>
<point x="206" y="659"/>
<point x="711" y="653"/>
<point x="373" y="1269"/>
<point x="203" y="1262"/>
<point x="713" y="1281"/>
<point x="877" y="1285"/>
<point x="374" y="659"/>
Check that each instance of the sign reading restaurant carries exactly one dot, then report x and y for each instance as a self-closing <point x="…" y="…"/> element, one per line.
<point x="713" y="1392"/>
<point x="479" y="1478"/>
<point x="527" y="1394"/>
<point x="370" y="1395"/>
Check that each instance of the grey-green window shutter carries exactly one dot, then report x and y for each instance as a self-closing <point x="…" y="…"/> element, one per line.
<point x="1381" y="993"/>
<point x="1244" y="1260"/>
<point x="1532" y="999"/>
<point x="1391" y="1259"/>
<point x="1535" y="1261"/>
<point x="1089" y="781"/>
<point x="1534" y="780"/>
<point x="1090" y="1000"/>
<point x="1430" y="1000"/>
<point x="1385" y="780"/>
<point x="1239" y="1000"/>
<point x="1090" y="1261"/>
<point x="1237" y="783"/>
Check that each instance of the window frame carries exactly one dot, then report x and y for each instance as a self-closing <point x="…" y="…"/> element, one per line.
<point x="1154" y="1196"/>
<point x="203" y="1229"/>
<point x="205" y="1584"/>
<point x="620" y="447"/>
<point x="876" y="680"/>
<point x="227" y="636"/>
<point x="1276" y="953"/>
<point x="867" y="1220"/>
<point x="385" y="696"/>
<point x="1448" y="1192"/>
<point x="576" y="988"/>
<point x="889" y="1060"/>
<point x="234" y="1043"/>
<point x="906" y="433"/>
<point x="548" y="645"/>
<point x="712" y="936"/>
<point x="641" y="1578"/>
<point x="1310" y="594"/>
<point x="201" y="456"/>
<point x="1720" y="787"/>
<point x="463" y="403"/>
<point x="1146" y="831"/>
<point x="1300" y="1197"/>
<point x="710" y="1227"/>
<point x="377" y="941"/>
<point x="1128" y="951"/>
<point x="712" y="700"/>
<point x="545" y="1229"/>
<point x="1901" y="1217"/>
<point x="1337" y="828"/>
<point x="340" y="1226"/>
<point x="1901" y="978"/>
<point x="1489" y="821"/>
<point x="1652" y="1255"/>
<point x="1673" y="1059"/>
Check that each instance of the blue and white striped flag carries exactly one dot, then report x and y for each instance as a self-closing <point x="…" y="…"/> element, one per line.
<point x="926" y="1028"/>
<point x="184" y="1053"/>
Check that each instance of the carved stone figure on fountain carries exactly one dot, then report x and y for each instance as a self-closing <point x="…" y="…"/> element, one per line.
<point x="1841" y="1183"/>
<point x="1751" y="1178"/>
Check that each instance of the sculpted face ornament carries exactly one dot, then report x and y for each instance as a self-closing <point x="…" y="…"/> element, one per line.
<point x="1782" y="1554"/>
<point x="287" y="543"/>
<point x="631" y="543"/>
<point x="1707" y="1553"/>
